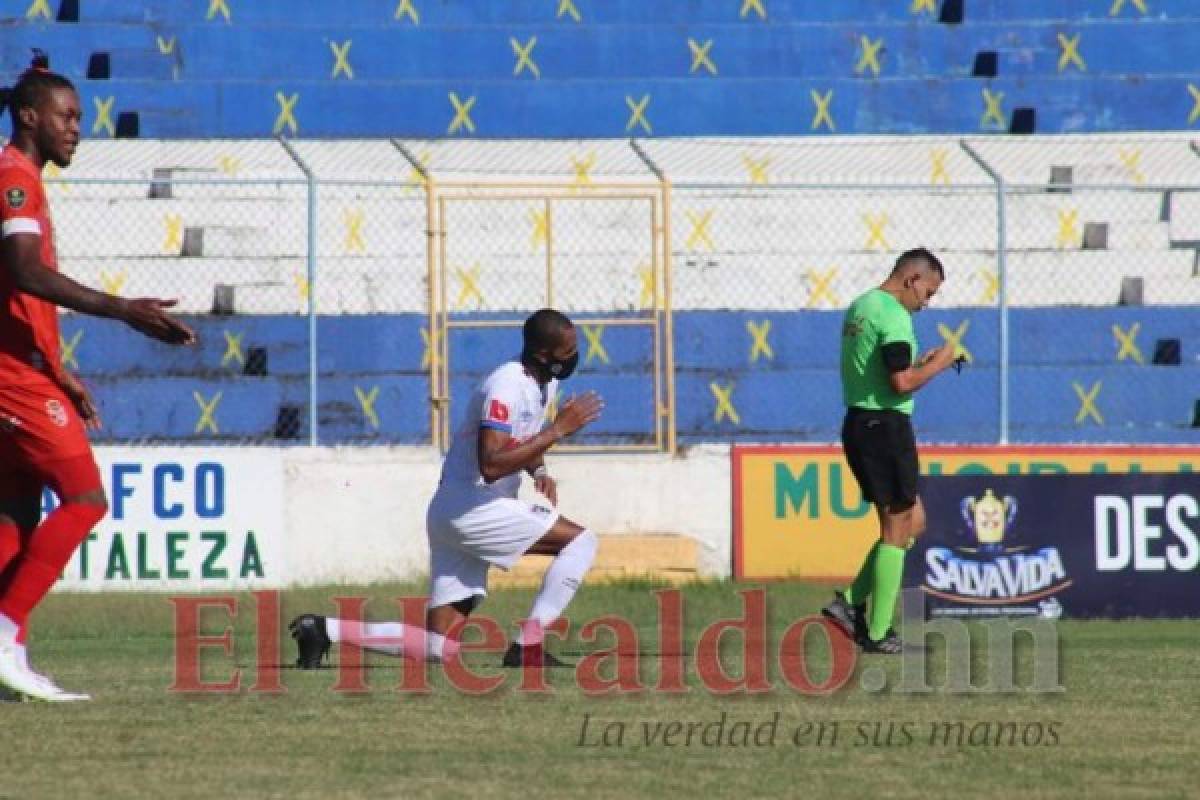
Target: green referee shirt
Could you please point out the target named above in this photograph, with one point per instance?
(873, 320)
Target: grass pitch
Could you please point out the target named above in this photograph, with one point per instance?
(1123, 726)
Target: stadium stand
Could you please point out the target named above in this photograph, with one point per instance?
(566, 69)
(772, 231)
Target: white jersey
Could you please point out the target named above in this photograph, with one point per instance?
(508, 400)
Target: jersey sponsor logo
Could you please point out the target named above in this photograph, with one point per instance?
(15, 197)
(497, 411)
(56, 412)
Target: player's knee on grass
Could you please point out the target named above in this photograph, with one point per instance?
(465, 607)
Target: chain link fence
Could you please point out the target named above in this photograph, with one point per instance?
(350, 292)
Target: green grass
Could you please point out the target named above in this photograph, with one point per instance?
(1123, 723)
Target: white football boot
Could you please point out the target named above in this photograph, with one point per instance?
(23, 681)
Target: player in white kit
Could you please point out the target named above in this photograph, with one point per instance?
(475, 519)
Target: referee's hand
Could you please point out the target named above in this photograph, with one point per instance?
(940, 358)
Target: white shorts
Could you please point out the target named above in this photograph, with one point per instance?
(472, 530)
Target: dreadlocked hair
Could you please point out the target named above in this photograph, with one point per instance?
(32, 86)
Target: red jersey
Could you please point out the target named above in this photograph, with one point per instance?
(29, 337)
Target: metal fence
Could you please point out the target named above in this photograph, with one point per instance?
(351, 292)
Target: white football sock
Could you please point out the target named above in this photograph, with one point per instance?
(391, 638)
(562, 580)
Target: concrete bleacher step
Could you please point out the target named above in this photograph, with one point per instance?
(598, 108)
(661, 557)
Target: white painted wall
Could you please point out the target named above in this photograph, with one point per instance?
(358, 514)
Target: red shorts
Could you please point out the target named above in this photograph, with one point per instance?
(43, 442)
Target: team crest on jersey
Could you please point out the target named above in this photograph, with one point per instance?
(15, 197)
(56, 412)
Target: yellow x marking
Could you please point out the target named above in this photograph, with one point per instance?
(753, 5)
(427, 355)
(53, 173)
(699, 234)
(405, 8)
(637, 114)
(1117, 4)
(1127, 341)
(367, 401)
(353, 219)
(1068, 232)
(287, 113)
(1070, 52)
(991, 286)
(875, 235)
(1087, 402)
(541, 230)
(649, 285)
(700, 56)
(470, 286)
(39, 8)
(233, 348)
(462, 113)
(165, 46)
(821, 287)
(870, 55)
(208, 412)
(104, 120)
(757, 169)
(229, 165)
(568, 7)
(414, 175)
(69, 348)
(341, 59)
(993, 112)
(218, 7)
(822, 115)
(174, 240)
(1132, 161)
(583, 169)
(113, 283)
(725, 408)
(954, 338)
(938, 158)
(1195, 92)
(760, 345)
(524, 54)
(303, 287)
(595, 344)
(923, 5)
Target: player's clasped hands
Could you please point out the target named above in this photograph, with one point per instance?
(147, 315)
(577, 412)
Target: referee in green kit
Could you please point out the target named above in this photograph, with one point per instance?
(880, 372)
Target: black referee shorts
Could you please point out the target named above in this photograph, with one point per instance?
(882, 451)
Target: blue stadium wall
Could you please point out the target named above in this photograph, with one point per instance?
(785, 387)
(602, 68)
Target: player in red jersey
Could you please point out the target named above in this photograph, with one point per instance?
(45, 410)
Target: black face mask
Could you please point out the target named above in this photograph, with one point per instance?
(560, 370)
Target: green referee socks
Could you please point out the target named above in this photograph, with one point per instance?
(860, 590)
(889, 572)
